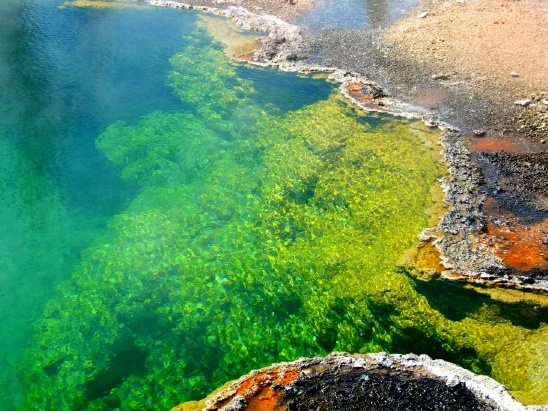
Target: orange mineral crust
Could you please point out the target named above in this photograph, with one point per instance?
(521, 247)
(261, 391)
(496, 144)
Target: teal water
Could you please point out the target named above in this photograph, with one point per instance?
(173, 220)
(65, 75)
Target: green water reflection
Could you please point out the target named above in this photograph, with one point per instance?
(257, 236)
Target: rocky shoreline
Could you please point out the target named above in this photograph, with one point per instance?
(342, 381)
(468, 238)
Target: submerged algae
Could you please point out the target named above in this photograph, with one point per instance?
(257, 237)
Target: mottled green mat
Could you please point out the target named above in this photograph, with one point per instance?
(258, 236)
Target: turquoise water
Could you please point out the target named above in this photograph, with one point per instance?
(65, 75)
(173, 220)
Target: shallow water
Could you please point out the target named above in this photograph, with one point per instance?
(203, 219)
(355, 14)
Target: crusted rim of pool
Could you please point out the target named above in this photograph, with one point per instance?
(274, 387)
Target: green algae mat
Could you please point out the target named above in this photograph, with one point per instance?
(260, 235)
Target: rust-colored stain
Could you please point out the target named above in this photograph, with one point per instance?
(259, 392)
(355, 87)
(367, 100)
(520, 247)
(491, 144)
(356, 91)
(431, 97)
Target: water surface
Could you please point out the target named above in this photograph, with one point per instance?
(355, 14)
(200, 219)
(65, 75)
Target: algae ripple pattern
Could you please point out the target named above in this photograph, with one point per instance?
(257, 237)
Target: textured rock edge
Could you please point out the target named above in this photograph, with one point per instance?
(487, 391)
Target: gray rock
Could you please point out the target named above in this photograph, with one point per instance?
(524, 103)
(440, 76)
